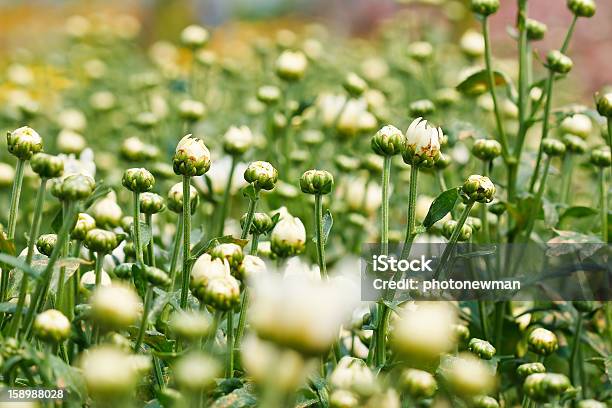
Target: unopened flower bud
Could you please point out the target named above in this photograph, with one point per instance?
(7, 175)
(574, 144)
(138, 180)
(601, 157)
(133, 149)
(84, 224)
(343, 399)
(542, 341)
(419, 384)
(558, 62)
(484, 401)
(388, 141)
(317, 182)
(73, 188)
(45, 243)
(101, 241)
(24, 142)
(421, 108)
(146, 120)
(190, 325)
(525, 370)
(191, 157)
(535, 29)
(420, 51)
(123, 270)
(481, 348)
(474, 223)
(354, 85)
(372, 163)
(107, 212)
(194, 36)
(590, 403)
(175, 198)
(47, 166)
(108, 372)
(251, 267)
(204, 270)
(222, 293)
(449, 226)
(484, 7)
(129, 249)
(191, 110)
(444, 160)
(288, 237)
(70, 142)
(157, 277)
(291, 66)
(52, 326)
(543, 387)
(486, 149)
(151, 203)
(578, 124)
(115, 306)
(237, 140)
(261, 174)
(472, 44)
(604, 104)
(469, 376)
(477, 188)
(422, 144)
(232, 253)
(582, 8)
(195, 372)
(261, 224)
(553, 147)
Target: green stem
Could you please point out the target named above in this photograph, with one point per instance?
(249, 218)
(566, 177)
(609, 132)
(137, 241)
(603, 187)
(186, 240)
(500, 308)
(34, 228)
(482, 312)
(15, 196)
(453, 239)
(484, 213)
(98, 268)
(225, 204)
(523, 95)
(384, 215)
(575, 346)
(320, 237)
(545, 123)
(150, 246)
(412, 195)
(538, 200)
(62, 273)
(245, 303)
(145, 315)
(176, 248)
(230, 344)
(568, 35)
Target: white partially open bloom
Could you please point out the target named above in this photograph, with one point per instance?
(288, 236)
(422, 143)
(206, 269)
(83, 164)
(578, 124)
(353, 374)
(70, 142)
(253, 267)
(194, 36)
(72, 119)
(291, 65)
(472, 43)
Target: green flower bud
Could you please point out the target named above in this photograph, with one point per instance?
(190, 325)
(446, 97)
(553, 147)
(558, 62)
(222, 293)
(261, 224)
(542, 341)
(146, 120)
(343, 399)
(577, 124)
(237, 140)
(420, 51)
(574, 144)
(477, 188)
(129, 249)
(584, 306)
(482, 348)
(194, 36)
(115, 306)
(449, 226)
(175, 198)
(123, 270)
(24, 142)
(291, 66)
(317, 182)
(388, 141)
(590, 403)
(419, 384)
(232, 253)
(101, 241)
(542, 387)
(138, 180)
(444, 160)
(84, 224)
(461, 332)
(151, 203)
(268, 94)
(486, 149)
(73, 188)
(484, 401)
(604, 104)
(525, 370)
(191, 110)
(469, 376)
(45, 243)
(474, 223)
(47, 166)
(484, 7)
(422, 144)
(582, 8)
(497, 208)
(191, 157)
(133, 149)
(157, 277)
(535, 29)
(421, 108)
(601, 157)
(52, 326)
(261, 174)
(354, 85)
(195, 372)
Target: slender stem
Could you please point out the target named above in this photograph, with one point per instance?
(566, 177)
(15, 196)
(453, 239)
(603, 187)
(137, 242)
(609, 132)
(186, 240)
(523, 95)
(484, 213)
(441, 180)
(176, 248)
(59, 294)
(538, 200)
(98, 268)
(150, 246)
(34, 228)
(575, 346)
(225, 204)
(245, 302)
(568, 35)
(145, 316)
(545, 123)
(500, 308)
(410, 228)
(482, 312)
(249, 218)
(384, 215)
(320, 237)
(230, 344)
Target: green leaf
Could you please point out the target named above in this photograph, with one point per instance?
(442, 205)
(18, 263)
(8, 307)
(250, 192)
(100, 191)
(477, 83)
(66, 376)
(328, 222)
(240, 398)
(203, 246)
(578, 212)
(551, 217)
(145, 233)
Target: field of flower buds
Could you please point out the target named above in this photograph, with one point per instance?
(183, 223)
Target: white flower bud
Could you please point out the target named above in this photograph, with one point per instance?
(468, 376)
(353, 374)
(288, 236)
(237, 140)
(7, 174)
(472, 44)
(196, 371)
(102, 101)
(194, 36)
(70, 142)
(578, 124)
(107, 212)
(108, 372)
(88, 281)
(115, 306)
(192, 157)
(72, 119)
(422, 144)
(192, 110)
(52, 326)
(291, 65)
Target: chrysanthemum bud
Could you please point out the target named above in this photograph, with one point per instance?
(102, 241)
(604, 104)
(146, 120)
(194, 36)
(108, 372)
(486, 149)
(484, 401)
(449, 226)
(133, 149)
(388, 141)
(578, 124)
(204, 270)
(542, 387)
(590, 403)
(601, 157)
(268, 94)
(582, 8)
(47, 166)
(84, 224)
(232, 253)
(542, 341)
(191, 110)
(24, 142)
(157, 277)
(574, 144)
(444, 160)
(469, 376)
(191, 157)
(477, 188)
(261, 224)
(354, 375)
(151, 203)
(123, 270)
(52, 326)
(317, 182)
(535, 29)
(190, 325)
(558, 62)
(419, 384)
(420, 51)
(195, 372)
(237, 140)
(138, 180)
(129, 249)
(484, 7)
(474, 223)
(553, 147)
(422, 107)
(73, 188)
(343, 399)
(251, 267)
(291, 66)
(472, 44)
(261, 174)
(45, 243)
(525, 370)
(115, 306)
(422, 144)
(107, 212)
(222, 293)
(482, 348)
(70, 142)
(372, 163)
(461, 332)
(354, 85)
(88, 281)
(175, 198)
(288, 237)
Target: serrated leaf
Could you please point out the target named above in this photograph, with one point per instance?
(477, 83)
(240, 398)
(551, 216)
(442, 205)
(328, 222)
(145, 233)
(20, 264)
